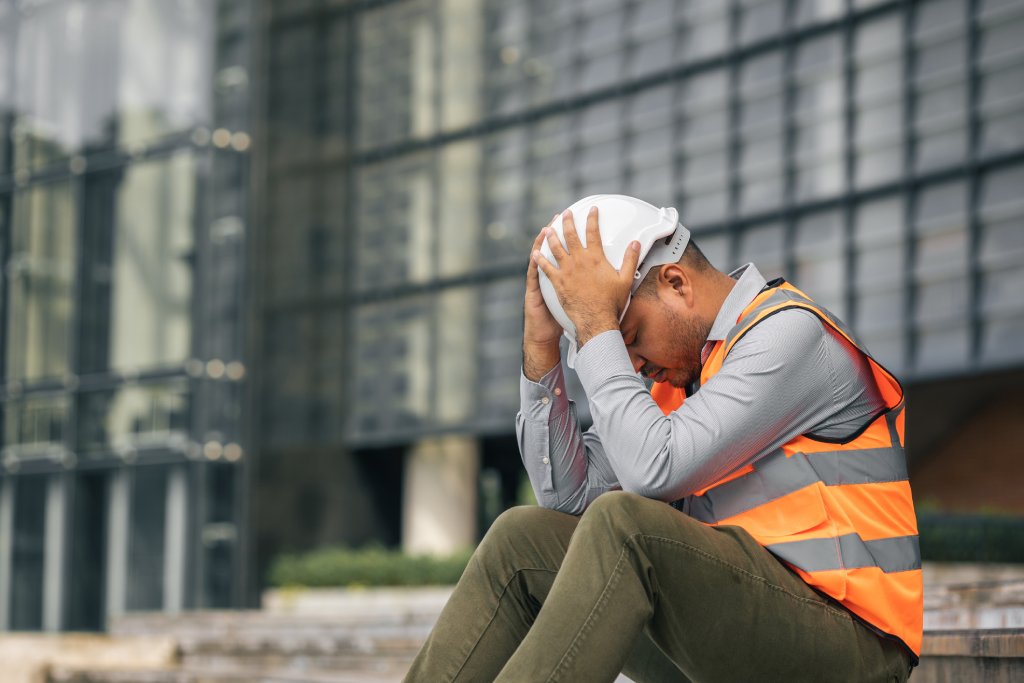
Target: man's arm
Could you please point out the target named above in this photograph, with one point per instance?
(775, 384)
(567, 467)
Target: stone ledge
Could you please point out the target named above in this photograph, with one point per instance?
(1002, 643)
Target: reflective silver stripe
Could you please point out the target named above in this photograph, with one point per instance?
(782, 296)
(775, 476)
(899, 554)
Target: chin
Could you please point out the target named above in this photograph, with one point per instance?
(677, 382)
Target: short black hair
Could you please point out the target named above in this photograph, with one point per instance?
(692, 258)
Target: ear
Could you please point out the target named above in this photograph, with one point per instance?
(676, 282)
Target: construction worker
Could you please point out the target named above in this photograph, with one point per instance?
(748, 518)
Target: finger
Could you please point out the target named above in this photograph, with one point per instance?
(572, 238)
(532, 280)
(557, 250)
(594, 232)
(545, 266)
(630, 260)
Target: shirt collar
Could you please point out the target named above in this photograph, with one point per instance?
(749, 283)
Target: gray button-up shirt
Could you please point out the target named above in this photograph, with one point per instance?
(787, 376)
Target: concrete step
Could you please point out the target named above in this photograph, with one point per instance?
(992, 655)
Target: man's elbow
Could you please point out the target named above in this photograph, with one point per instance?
(574, 505)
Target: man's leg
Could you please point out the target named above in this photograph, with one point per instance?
(498, 598)
(711, 598)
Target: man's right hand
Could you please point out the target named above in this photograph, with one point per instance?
(541, 332)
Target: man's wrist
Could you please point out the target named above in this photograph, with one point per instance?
(538, 359)
(588, 329)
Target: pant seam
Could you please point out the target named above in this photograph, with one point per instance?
(570, 652)
(494, 614)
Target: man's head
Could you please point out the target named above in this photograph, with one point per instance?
(623, 220)
(675, 291)
(670, 316)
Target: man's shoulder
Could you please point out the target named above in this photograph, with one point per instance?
(787, 324)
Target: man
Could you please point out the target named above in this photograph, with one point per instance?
(789, 551)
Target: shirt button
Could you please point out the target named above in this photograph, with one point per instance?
(546, 461)
(558, 392)
(545, 400)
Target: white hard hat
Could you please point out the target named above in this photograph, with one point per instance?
(622, 219)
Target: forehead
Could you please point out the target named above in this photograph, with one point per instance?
(639, 312)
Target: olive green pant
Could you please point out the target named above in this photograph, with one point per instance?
(637, 587)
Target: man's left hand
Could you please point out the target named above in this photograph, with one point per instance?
(592, 293)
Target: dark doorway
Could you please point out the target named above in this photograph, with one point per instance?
(28, 553)
(88, 552)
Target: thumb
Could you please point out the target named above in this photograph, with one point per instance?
(630, 260)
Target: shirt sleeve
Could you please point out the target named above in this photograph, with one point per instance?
(567, 467)
(774, 385)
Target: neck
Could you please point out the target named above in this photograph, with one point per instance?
(720, 284)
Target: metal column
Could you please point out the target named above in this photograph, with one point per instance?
(117, 543)
(6, 539)
(55, 552)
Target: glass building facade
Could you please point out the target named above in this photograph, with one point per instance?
(263, 259)
(123, 205)
(870, 151)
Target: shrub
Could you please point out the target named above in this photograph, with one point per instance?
(371, 566)
(971, 538)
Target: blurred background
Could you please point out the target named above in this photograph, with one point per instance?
(262, 260)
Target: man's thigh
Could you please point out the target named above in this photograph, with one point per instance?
(725, 609)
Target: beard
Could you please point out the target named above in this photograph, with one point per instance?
(689, 334)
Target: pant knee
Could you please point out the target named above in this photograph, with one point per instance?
(620, 505)
(614, 516)
(511, 530)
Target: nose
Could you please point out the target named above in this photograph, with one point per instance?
(636, 359)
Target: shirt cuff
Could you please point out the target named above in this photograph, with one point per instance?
(602, 357)
(540, 400)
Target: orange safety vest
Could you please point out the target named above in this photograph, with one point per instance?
(838, 512)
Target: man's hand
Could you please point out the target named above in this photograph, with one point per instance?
(541, 332)
(592, 293)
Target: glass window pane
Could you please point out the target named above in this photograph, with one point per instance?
(815, 11)
(879, 276)
(1001, 259)
(500, 354)
(715, 246)
(396, 240)
(820, 259)
(35, 425)
(763, 245)
(878, 107)
(41, 274)
(393, 377)
(81, 81)
(7, 61)
(139, 302)
(706, 31)
(135, 418)
(761, 20)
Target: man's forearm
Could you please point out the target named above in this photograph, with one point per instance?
(538, 360)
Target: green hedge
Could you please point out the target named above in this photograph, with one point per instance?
(944, 538)
(971, 538)
(371, 566)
